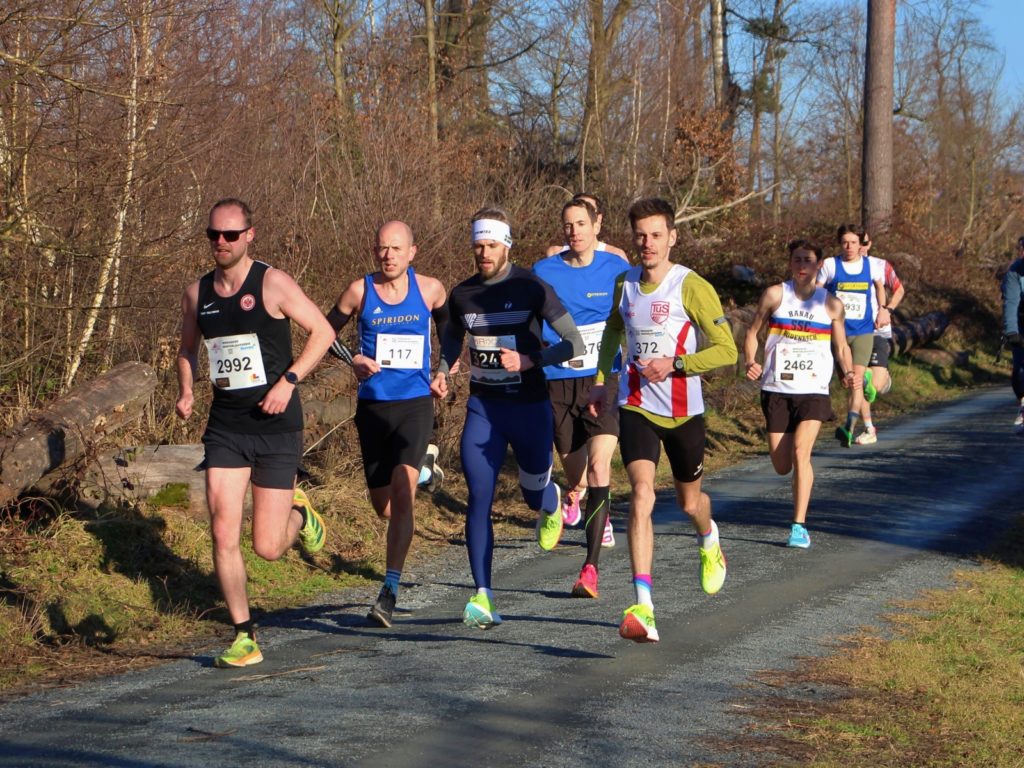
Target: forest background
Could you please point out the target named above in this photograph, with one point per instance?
(121, 122)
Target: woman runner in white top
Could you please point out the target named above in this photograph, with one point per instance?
(806, 332)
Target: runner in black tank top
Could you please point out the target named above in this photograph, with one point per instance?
(243, 310)
(238, 410)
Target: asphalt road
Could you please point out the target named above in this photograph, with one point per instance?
(555, 685)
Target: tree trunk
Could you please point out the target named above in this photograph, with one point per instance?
(603, 37)
(431, 31)
(727, 94)
(67, 429)
(130, 474)
(719, 55)
(140, 35)
(877, 168)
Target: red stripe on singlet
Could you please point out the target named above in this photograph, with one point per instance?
(679, 389)
(635, 398)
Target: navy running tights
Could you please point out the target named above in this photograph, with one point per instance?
(492, 425)
(1017, 375)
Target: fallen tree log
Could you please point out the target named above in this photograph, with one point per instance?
(942, 358)
(64, 431)
(916, 333)
(130, 475)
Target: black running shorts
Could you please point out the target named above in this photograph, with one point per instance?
(573, 424)
(641, 439)
(783, 412)
(880, 352)
(274, 458)
(392, 433)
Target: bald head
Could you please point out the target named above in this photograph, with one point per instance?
(393, 229)
(394, 248)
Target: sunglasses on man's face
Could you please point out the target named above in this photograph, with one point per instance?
(230, 235)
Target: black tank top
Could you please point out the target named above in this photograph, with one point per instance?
(237, 410)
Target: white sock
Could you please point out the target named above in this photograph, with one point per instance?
(708, 540)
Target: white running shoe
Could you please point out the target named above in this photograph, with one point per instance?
(608, 537)
(867, 437)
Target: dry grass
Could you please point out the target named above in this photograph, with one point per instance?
(947, 691)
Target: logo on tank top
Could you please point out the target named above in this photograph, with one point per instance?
(247, 302)
(659, 311)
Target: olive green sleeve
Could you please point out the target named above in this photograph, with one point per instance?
(702, 304)
(611, 340)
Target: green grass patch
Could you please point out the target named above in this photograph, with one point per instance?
(946, 691)
(171, 495)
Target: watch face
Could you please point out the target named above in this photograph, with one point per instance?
(291, 377)
(677, 364)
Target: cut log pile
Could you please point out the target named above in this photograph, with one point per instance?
(71, 426)
(75, 426)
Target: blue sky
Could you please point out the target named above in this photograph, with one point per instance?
(1005, 22)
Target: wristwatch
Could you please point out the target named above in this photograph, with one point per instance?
(677, 364)
(291, 378)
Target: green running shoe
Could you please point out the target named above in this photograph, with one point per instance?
(844, 436)
(870, 393)
(712, 568)
(549, 525)
(312, 535)
(480, 612)
(638, 624)
(243, 653)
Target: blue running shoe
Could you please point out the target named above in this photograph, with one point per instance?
(798, 537)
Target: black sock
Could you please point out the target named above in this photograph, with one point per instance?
(248, 627)
(598, 503)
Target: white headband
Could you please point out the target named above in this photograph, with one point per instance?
(492, 229)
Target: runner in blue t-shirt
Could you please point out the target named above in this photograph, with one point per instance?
(584, 279)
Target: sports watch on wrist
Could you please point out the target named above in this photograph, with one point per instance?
(291, 378)
(677, 364)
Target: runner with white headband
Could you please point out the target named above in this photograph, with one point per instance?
(502, 309)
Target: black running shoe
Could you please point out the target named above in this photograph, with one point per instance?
(382, 609)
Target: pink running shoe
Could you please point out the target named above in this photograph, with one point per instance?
(586, 584)
(571, 513)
